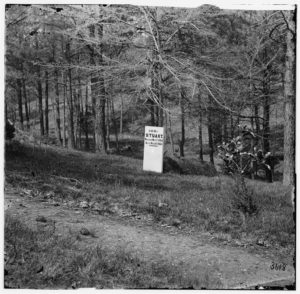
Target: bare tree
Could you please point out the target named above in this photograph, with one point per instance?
(290, 100)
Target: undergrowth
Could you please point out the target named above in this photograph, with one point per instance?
(39, 259)
(216, 204)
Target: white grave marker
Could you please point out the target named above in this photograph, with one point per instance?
(153, 149)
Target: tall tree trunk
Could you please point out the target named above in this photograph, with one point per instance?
(290, 101)
(98, 92)
(20, 104)
(80, 121)
(161, 100)
(257, 123)
(93, 94)
(152, 112)
(70, 129)
(114, 123)
(182, 117)
(266, 125)
(71, 139)
(266, 108)
(75, 116)
(169, 124)
(86, 125)
(231, 126)
(40, 92)
(100, 118)
(108, 123)
(210, 137)
(218, 122)
(200, 131)
(154, 101)
(46, 103)
(57, 109)
(121, 116)
(225, 130)
(25, 100)
(40, 98)
(64, 110)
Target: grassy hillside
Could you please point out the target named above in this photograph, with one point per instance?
(117, 184)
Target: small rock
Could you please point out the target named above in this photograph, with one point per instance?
(75, 285)
(84, 231)
(71, 203)
(260, 242)
(40, 269)
(176, 222)
(161, 204)
(41, 219)
(238, 243)
(84, 204)
(97, 207)
(50, 194)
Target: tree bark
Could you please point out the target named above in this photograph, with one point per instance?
(121, 117)
(169, 124)
(266, 108)
(20, 104)
(290, 101)
(80, 118)
(86, 125)
(108, 123)
(46, 103)
(98, 93)
(210, 137)
(231, 126)
(25, 99)
(57, 109)
(225, 131)
(40, 98)
(182, 117)
(70, 129)
(64, 110)
(266, 125)
(257, 124)
(200, 132)
(114, 123)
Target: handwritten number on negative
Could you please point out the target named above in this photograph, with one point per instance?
(278, 266)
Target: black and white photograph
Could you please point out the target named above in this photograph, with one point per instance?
(149, 146)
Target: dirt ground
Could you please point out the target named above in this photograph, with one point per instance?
(235, 267)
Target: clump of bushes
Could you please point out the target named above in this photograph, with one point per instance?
(243, 198)
(189, 166)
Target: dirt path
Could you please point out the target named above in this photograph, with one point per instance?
(233, 267)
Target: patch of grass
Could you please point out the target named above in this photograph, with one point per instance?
(38, 260)
(214, 204)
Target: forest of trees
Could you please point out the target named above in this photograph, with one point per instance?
(87, 71)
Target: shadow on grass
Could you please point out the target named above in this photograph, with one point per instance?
(81, 166)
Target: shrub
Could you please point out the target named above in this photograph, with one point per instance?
(189, 167)
(243, 198)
